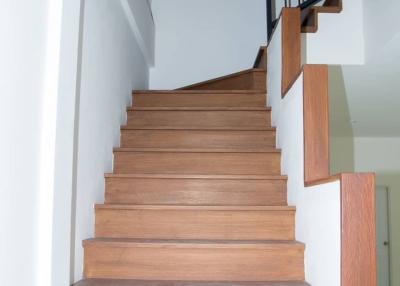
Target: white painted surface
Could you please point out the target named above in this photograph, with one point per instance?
(200, 40)
(340, 37)
(139, 15)
(318, 208)
(24, 88)
(68, 95)
(112, 65)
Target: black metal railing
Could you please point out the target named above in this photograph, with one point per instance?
(272, 18)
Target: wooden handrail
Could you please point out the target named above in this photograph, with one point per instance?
(358, 257)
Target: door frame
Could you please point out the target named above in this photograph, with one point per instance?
(389, 220)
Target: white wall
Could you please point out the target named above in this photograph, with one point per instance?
(200, 40)
(340, 37)
(25, 71)
(382, 155)
(317, 208)
(112, 65)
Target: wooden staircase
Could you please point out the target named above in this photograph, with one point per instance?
(197, 196)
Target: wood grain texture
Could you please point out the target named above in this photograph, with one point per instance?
(194, 260)
(291, 47)
(197, 139)
(309, 16)
(128, 282)
(261, 59)
(196, 190)
(252, 79)
(358, 254)
(195, 98)
(197, 163)
(199, 119)
(316, 122)
(195, 222)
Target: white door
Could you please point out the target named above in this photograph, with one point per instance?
(382, 236)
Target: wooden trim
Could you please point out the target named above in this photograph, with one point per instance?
(309, 17)
(261, 59)
(199, 84)
(316, 122)
(358, 256)
(291, 46)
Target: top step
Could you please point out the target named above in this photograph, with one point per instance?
(251, 79)
(199, 98)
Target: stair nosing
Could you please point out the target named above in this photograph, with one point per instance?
(199, 176)
(205, 91)
(136, 282)
(195, 207)
(189, 108)
(194, 243)
(197, 150)
(199, 128)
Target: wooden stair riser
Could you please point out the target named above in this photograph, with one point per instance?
(195, 223)
(181, 99)
(197, 163)
(192, 191)
(196, 139)
(253, 262)
(203, 119)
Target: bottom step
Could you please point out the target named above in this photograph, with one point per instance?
(194, 260)
(107, 282)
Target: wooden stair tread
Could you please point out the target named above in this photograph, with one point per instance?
(210, 177)
(200, 150)
(225, 128)
(181, 207)
(195, 243)
(193, 91)
(129, 282)
(198, 108)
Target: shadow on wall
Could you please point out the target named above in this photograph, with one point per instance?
(340, 124)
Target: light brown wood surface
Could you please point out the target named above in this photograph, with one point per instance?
(194, 260)
(291, 47)
(197, 163)
(199, 119)
(128, 282)
(261, 59)
(204, 98)
(197, 139)
(253, 79)
(195, 190)
(358, 254)
(195, 222)
(316, 122)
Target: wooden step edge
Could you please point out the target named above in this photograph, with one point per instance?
(205, 91)
(195, 208)
(130, 282)
(199, 150)
(133, 108)
(192, 243)
(201, 177)
(200, 128)
(252, 70)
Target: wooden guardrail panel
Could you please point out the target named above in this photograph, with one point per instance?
(291, 47)
(316, 122)
(358, 254)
